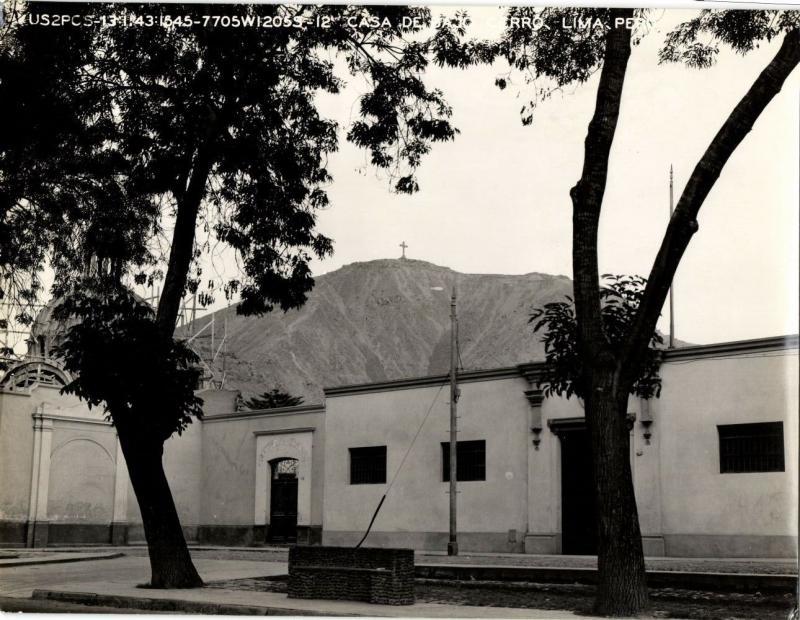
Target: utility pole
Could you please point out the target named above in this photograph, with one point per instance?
(452, 545)
(671, 300)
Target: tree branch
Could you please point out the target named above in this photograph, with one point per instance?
(587, 195)
(684, 221)
(181, 252)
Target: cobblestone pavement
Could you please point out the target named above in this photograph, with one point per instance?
(666, 602)
(759, 566)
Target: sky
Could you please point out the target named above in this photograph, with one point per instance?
(496, 200)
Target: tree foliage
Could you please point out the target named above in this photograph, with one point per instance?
(544, 57)
(111, 117)
(565, 368)
(601, 348)
(127, 140)
(124, 365)
(273, 399)
(145, 136)
(696, 42)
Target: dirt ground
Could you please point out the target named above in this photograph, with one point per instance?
(665, 602)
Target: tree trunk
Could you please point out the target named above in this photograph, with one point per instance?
(622, 587)
(170, 563)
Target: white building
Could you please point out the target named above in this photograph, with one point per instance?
(714, 462)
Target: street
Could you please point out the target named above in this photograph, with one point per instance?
(22, 581)
(14, 604)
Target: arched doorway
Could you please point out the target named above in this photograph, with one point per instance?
(283, 500)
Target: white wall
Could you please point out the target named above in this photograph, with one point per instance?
(16, 449)
(62, 476)
(686, 507)
(231, 483)
(697, 501)
(495, 411)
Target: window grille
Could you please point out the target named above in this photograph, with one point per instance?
(751, 447)
(284, 468)
(470, 461)
(368, 465)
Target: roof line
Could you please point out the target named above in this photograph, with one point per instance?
(466, 376)
(755, 345)
(530, 370)
(259, 413)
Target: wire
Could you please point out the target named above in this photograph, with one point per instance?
(419, 430)
(369, 527)
(402, 462)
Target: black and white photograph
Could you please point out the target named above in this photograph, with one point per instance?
(399, 310)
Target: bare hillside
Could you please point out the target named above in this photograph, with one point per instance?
(384, 319)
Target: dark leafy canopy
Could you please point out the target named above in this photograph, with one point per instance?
(273, 399)
(121, 130)
(549, 49)
(121, 114)
(126, 366)
(538, 47)
(696, 42)
(549, 57)
(49, 194)
(564, 366)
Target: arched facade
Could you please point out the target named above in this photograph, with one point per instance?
(271, 449)
(717, 403)
(86, 499)
(63, 477)
(33, 373)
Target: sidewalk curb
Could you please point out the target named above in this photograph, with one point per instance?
(37, 561)
(175, 605)
(722, 582)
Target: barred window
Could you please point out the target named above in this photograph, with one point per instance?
(368, 465)
(470, 461)
(751, 447)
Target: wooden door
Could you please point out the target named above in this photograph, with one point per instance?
(283, 501)
(578, 502)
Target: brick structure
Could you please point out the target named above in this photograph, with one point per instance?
(380, 576)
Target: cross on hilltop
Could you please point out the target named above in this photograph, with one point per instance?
(404, 246)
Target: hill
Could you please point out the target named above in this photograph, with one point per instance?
(384, 319)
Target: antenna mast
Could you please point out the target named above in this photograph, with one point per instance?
(671, 298)
(452, 545)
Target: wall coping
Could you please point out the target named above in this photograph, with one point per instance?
(736, 347)
(468, 376)
(532, 370)
(264, 413)
(47, 415)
